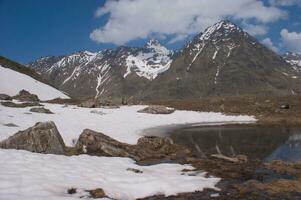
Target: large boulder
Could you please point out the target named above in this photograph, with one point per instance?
(26, 96)
(43, 137)
(5, 97)
(95, 143)
(147, 148)
(157, 110)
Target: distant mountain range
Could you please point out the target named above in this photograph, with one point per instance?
(222, 60)
(121, 72)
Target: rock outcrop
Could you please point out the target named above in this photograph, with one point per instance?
(147, 148)
(43, 137)
(157, 110)
(26, 96)
(19, 105)
(5, 97)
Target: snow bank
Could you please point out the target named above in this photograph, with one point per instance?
(30, 176)
(123, 124)
(11, 82)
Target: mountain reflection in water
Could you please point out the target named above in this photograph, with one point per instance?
(258, 142)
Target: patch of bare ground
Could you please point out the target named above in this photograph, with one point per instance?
(273, 110)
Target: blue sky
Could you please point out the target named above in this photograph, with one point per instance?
(34, 28)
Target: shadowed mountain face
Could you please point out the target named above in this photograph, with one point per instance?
(223, 60)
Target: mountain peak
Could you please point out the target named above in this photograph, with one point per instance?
(153, 42)
(155, 46)
(222, 27)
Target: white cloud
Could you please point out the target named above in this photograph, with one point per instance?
(134, 19)
(256, 29)
(269, 43)
(291, 40)
(285, 2)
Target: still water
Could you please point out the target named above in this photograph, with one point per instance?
(258, 142)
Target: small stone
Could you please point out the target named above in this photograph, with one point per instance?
(41, 110)
(157, 110)
(242, 158)
(71, 190)
(10, 125)
(90, 103)
(137, 171)
(97, 112)
(285, 106)
(97, 193)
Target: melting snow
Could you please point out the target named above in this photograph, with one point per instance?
(25, 175)
(29, 176)
(123, 124)
(200, 49)
(214, 55)
(217, 74)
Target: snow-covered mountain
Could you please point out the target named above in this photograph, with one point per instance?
(15, 77)
(294, 60)
(119, 72)
(224, 60)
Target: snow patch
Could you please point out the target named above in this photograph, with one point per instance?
(124, 124)
(217, 74)
(11, 82)
(29, 176)
(147, 65)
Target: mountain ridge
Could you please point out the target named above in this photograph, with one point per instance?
(222, 60)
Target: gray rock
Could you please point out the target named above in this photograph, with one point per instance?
(95, 143)
(98, 112)
(41, 110)
(91, 103)
(19, 105)
(26, 96)
(43, 137)
(285, 106)
(10, 125)
(157, 110)
(147, 148)
(5, 97)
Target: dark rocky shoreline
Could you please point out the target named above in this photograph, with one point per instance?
(241, 178)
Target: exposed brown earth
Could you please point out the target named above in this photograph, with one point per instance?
(267, 109)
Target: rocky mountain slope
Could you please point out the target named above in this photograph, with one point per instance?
(15, 77)
(224, 60)
(109, 74)
(294, 60)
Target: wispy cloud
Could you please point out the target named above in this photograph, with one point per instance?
(291, 40)
(269, 43)
(256, 29)
(138, 19)
(285, 2)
